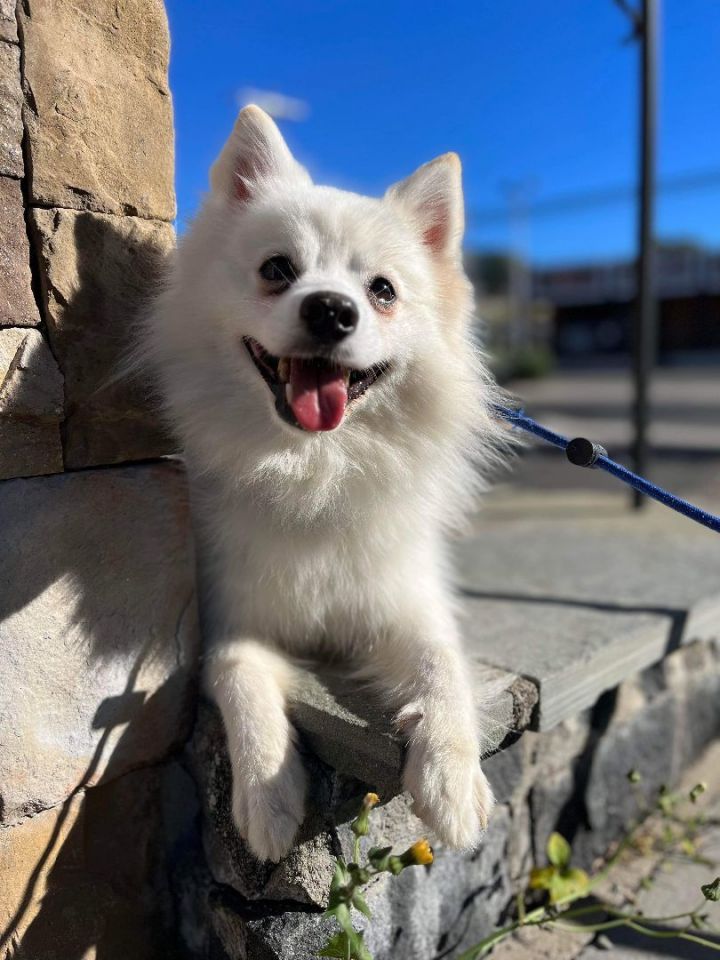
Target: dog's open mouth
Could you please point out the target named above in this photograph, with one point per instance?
(311, 393)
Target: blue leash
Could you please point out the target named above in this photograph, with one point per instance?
(585, 453)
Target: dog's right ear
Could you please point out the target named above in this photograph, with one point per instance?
(255, 155)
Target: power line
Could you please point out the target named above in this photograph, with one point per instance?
(569, 202)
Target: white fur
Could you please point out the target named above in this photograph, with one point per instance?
(330, 543)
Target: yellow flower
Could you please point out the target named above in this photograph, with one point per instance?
(360, 825)
(420, 853)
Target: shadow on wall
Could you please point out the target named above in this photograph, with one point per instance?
(98, 273)
(98, 634)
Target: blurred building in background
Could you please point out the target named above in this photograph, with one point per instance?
(592, 306)
(581, 314)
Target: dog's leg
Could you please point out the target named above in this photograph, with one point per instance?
(428, 680)
(249, 683)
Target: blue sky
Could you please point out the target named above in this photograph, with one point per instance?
(540, 93)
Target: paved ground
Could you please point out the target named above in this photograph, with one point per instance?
(685, 432)
(672, 884)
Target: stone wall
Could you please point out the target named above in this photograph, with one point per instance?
(86, 204)
(98, 623)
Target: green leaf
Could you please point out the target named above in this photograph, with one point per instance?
(697, 791)
(338, 885)
(711, 891)
(558, 851)
(358, 950)
(337, 946)
(568, 883)
(378, 857)
(541, 878)
(359, 902)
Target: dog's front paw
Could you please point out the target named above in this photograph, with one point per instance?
(268, 811)
(451, 793)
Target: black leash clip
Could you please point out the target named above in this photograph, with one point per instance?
(583, 452)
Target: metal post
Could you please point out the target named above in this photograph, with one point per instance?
(645, 326)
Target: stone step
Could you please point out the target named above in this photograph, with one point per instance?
(348, 729)
(579, 603)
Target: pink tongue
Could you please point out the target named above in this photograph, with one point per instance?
(318, 395)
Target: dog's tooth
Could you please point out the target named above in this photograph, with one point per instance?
(346, 375)
(284, 369)
(288, 392)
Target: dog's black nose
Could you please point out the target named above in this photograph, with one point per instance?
(329, 316)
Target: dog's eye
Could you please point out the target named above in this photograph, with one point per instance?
(382, 291)
(278, 271)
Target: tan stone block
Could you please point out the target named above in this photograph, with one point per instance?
(96, 273)
(17, 303)
(87, 879)
(11, 129)
(30, 382)
(40, 864)
(31, 405)
(8, 25)
(98, 629)
(99, 114)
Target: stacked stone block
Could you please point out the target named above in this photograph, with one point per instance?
(86, 197)
(98, 621)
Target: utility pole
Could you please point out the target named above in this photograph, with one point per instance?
(645, 23)
(520, 282)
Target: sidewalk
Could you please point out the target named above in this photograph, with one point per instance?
(685, 431)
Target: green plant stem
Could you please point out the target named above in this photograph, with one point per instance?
(601, 907)
(670, 934)
(484, 945)
(541, 916)
(634, 925)
(356, 850)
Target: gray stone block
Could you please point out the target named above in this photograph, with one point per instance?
(425, 912)
(349, 730)
(98, 629)
(579, 605)
(581, 786)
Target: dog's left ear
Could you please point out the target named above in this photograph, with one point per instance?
(433, 197)
(255, 155)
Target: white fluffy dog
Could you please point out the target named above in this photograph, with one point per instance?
(314, 354)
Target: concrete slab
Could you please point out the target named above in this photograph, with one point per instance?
(347, 728)
(579, 603)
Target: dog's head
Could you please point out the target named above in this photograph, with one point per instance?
(330, 296)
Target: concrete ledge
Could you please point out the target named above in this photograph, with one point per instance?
(577, 604)
(348, 730)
